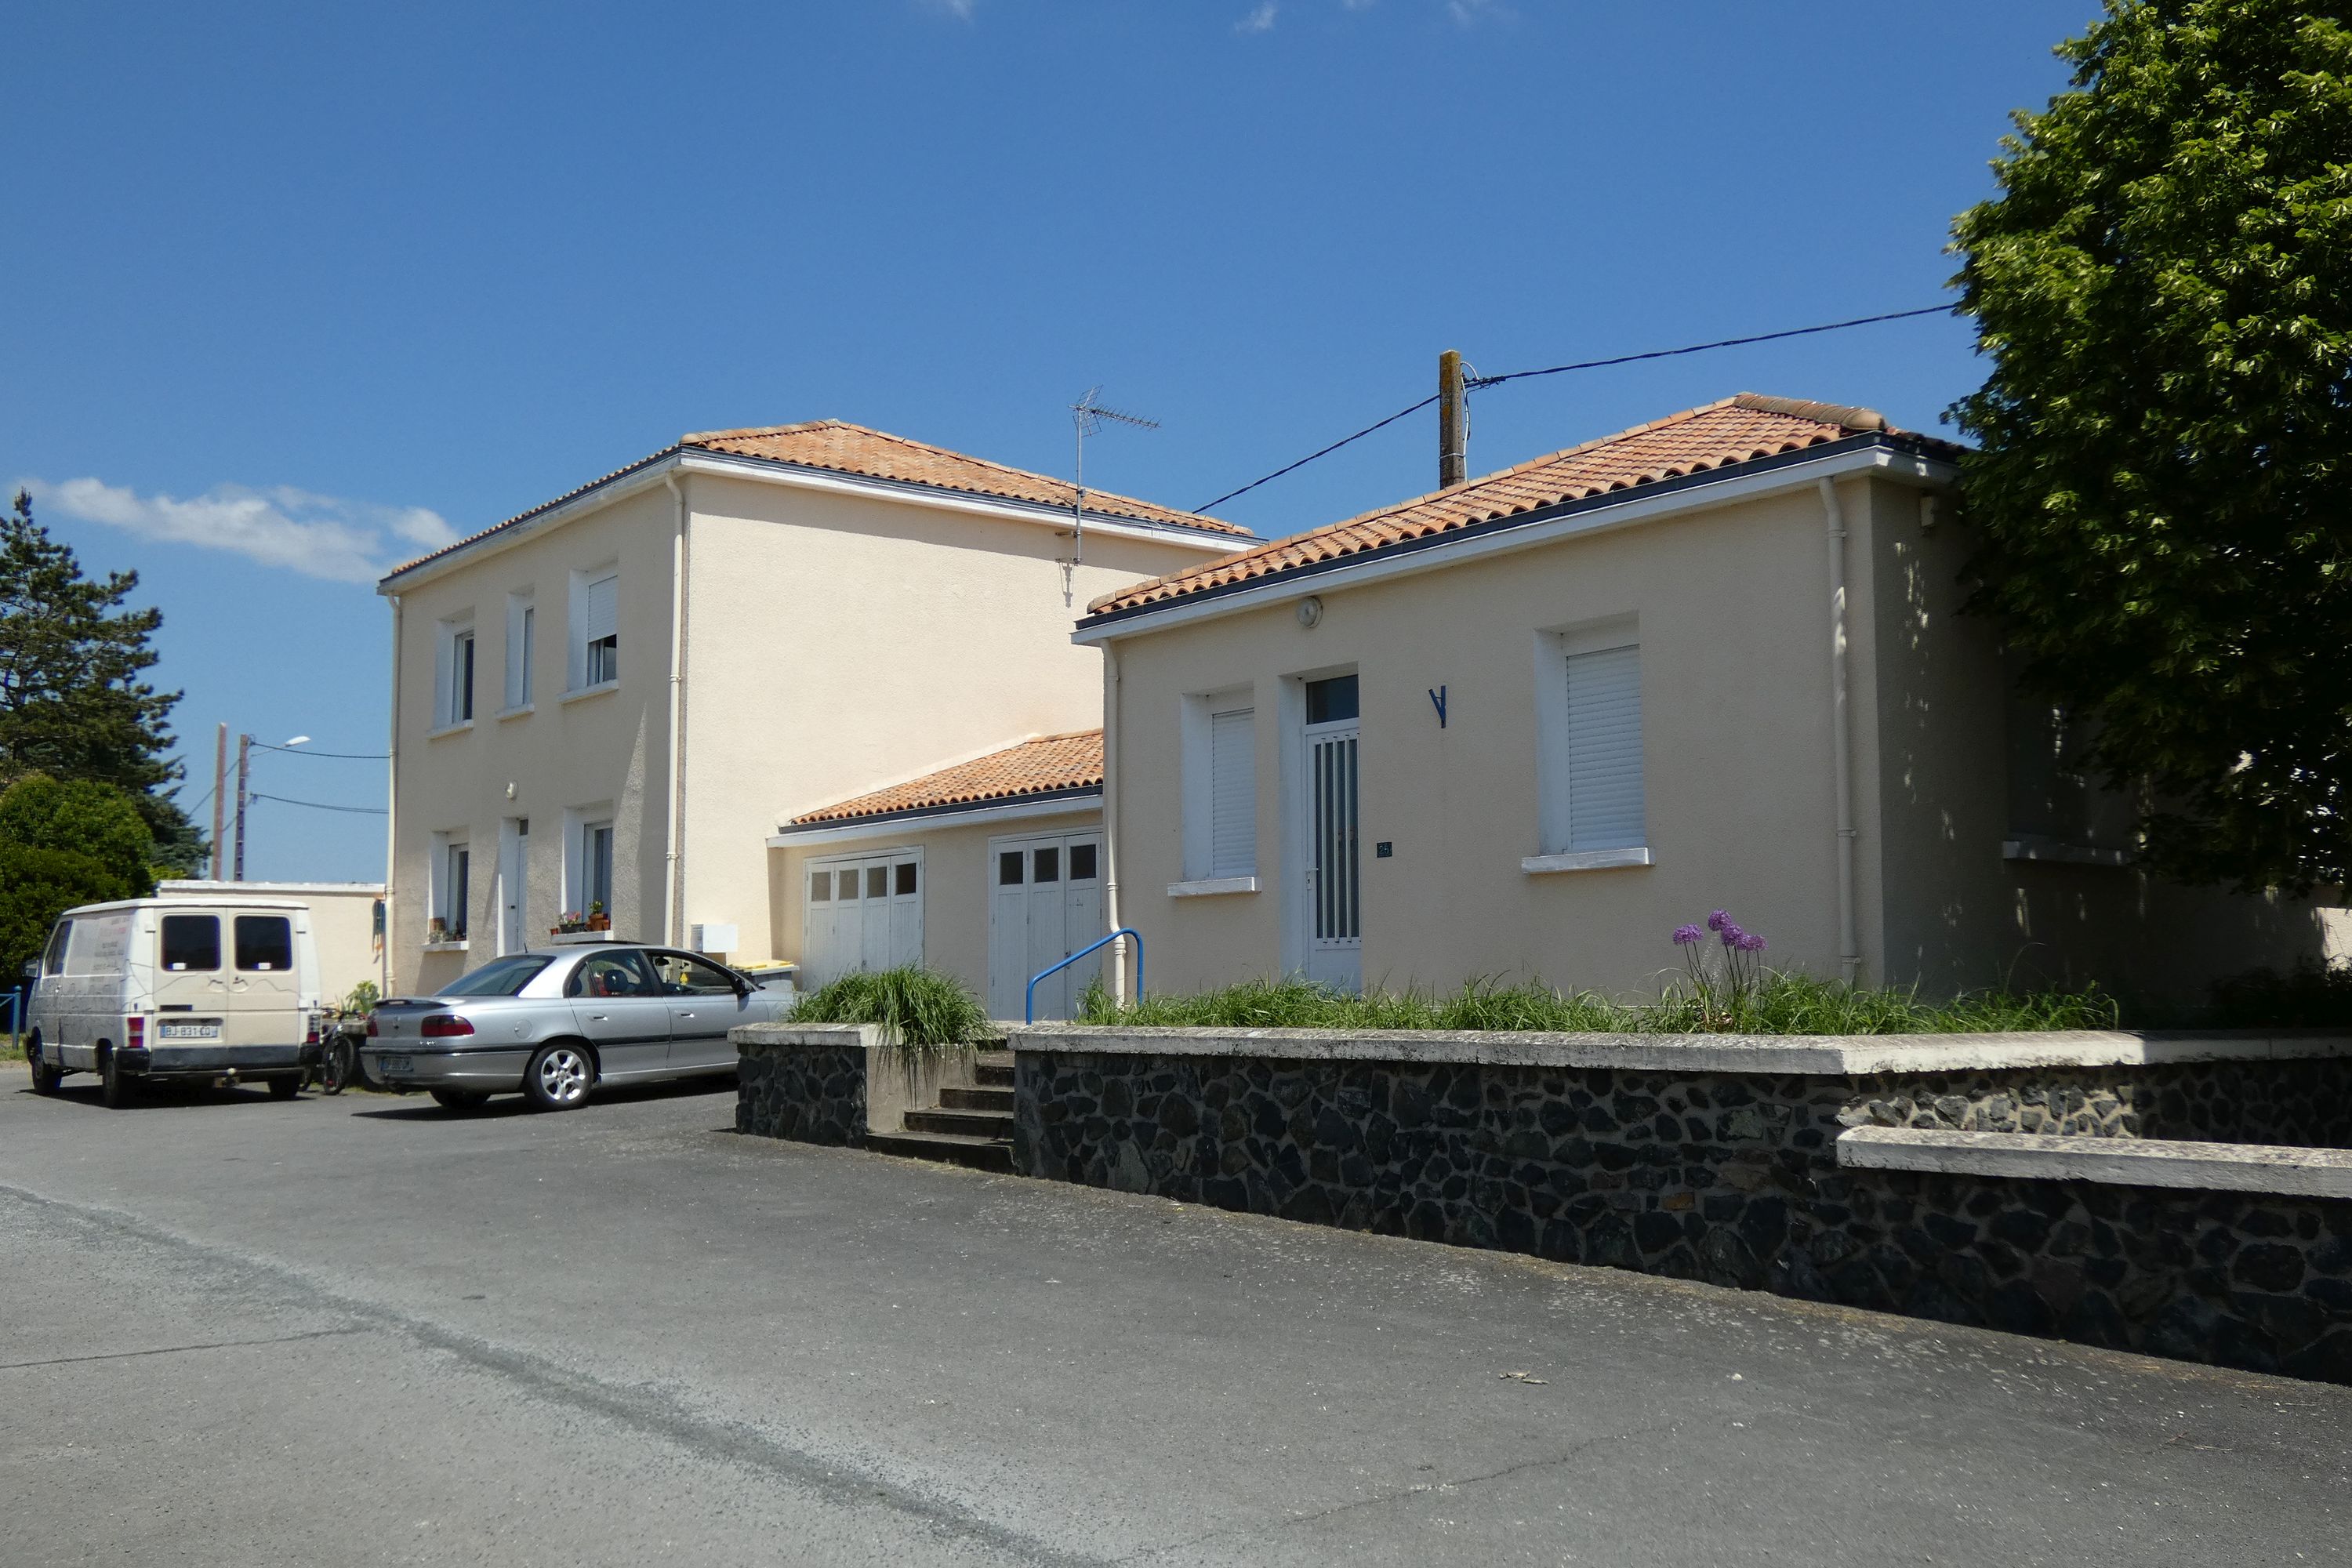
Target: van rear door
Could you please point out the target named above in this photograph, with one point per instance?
(191, 979)
(264, 1006)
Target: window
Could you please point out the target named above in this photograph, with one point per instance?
(821, 886)
(904, 872)
(683, 977)
(265, 943)
(1604, 750)
(1008, 868)
(500, 977)
(1232, 792)
(192, 941)
(596, 867)
(611, 975)
(1328, 702)
(453, 893)
(521, 629)
(1045, 865)
(1082, 862)
(452, 670)
(596, 617)
(877, 882)
(55, 961)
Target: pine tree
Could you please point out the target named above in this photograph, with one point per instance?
(72, 704)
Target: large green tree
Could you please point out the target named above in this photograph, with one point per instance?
(72, 704)
(64, 843)
(2163, 472)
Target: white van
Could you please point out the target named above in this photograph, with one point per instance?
(176, 988)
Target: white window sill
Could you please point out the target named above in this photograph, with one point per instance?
(456, 946)
(459, 728)
(598, 689)
(504, 714)
(2051, 849)
(1586, 860)
(1212, 887)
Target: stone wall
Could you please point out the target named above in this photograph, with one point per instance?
(1732, 1177)
(811, 1093)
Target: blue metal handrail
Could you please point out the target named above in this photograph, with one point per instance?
(1029, 997)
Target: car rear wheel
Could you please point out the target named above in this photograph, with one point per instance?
(559, 1077)
(114, 1084)
(45, 1075)
(460, 1099)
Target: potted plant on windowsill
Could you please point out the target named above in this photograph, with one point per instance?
(569, 922)
(437, 930)
(597, 918)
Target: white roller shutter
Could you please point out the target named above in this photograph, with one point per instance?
(1232, 793)
(1604, 750)
(603, 610)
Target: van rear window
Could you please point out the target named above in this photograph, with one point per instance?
(192, 941)
(265, 942)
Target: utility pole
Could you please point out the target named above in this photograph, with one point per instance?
(244, 763)
(220, 793)
(1452, 423)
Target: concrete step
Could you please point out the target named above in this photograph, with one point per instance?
(979, 1153)
(993, 1068)
(966, 1124)
(999, 1099)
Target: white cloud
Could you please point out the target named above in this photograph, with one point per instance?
(1470, 13)
(959, 9)
(318, 536)
(1260, 20)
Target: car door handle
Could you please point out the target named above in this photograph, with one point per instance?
(596, 1017)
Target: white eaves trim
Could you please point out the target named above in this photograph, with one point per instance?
(794, 476)
(1212, 887)
(1089, 803)
(1586, 860)
(1636, 507)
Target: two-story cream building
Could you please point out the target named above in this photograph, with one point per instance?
(613, 701)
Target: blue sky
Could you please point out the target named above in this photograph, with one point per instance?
(289, 291)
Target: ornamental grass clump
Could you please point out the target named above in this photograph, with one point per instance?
(922, 1012)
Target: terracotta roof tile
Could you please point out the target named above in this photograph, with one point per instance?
(1736, 430)
(854, 450)
(844, 449)
(1045, 765)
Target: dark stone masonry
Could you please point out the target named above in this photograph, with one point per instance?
(1734, 1179)
(809, 1093)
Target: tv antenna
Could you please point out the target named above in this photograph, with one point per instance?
(1087, 417)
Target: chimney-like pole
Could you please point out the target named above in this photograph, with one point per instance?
(1452, 423)
(244, 769)
(220, 797)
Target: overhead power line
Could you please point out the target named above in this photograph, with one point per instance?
(321, 804)
(1477, 382)
(306, 752)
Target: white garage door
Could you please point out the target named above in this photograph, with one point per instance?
(1044, 903)
(861, 913)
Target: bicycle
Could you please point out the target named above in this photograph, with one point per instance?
(337, 1065)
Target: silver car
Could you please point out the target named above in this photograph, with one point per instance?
(556, 1024)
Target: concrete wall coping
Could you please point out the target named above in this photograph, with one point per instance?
(1829, 1055)
(866, 1034)
(2115, 1161)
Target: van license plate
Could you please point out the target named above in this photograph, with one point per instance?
(188, 1032)
(389, 1065)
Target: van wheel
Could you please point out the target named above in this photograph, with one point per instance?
(286, 1087)
(114, 1084)
(460, 1099)
(45, 1075)
(559, 1077)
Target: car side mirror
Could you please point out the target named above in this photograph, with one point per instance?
(32, 968)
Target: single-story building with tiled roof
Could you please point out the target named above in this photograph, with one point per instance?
(1527, 725)
(990, 870)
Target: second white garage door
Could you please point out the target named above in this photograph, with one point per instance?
(1044, 903)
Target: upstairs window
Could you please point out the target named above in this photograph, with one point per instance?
(596, 609)
(453, 685)
(521, 629)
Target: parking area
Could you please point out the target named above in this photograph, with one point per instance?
(362, 1329)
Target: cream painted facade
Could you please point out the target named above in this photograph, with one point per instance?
(786, 637)
(1724, 590)
(958, 853)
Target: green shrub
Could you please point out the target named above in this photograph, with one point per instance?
(2306, 997)
(923, 1013)
(1780, 1005)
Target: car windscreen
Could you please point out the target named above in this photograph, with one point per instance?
(500, 977)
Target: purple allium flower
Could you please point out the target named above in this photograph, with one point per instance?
(1750, 942)
(1731, 933)
(1686, 935)
(1718, 920)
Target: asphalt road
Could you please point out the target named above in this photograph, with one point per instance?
(362, 1329)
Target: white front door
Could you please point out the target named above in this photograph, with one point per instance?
(1044, 903)
(1335, 926)
(861, 913)
(514, 861)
